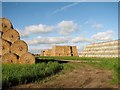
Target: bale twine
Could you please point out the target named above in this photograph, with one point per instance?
(4, 46)
(27, 58)
(9, 58)
(19, 47)
(5, 24)
(11, 35)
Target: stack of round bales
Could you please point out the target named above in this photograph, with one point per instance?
(13, 50)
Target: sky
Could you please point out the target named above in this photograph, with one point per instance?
(45, 24)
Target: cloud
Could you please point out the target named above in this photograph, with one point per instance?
(39, 28)
(67, 27)
(97, 26)
(80, 39)
(38, 49)
(103, 36)
(23, 33)
(65, 7)
(57, 40)
(94, 24)
(35, 50)
(48, 40)
(36, 29)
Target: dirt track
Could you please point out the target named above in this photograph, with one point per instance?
(83, 76)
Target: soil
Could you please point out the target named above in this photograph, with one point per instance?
(83, 76)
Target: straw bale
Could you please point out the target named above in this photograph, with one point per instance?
(5, 23)
(4, 46)
(19, 47)
(3, 30)
(27, 58)
(11, 35)
(9, 58)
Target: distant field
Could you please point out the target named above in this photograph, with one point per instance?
(74, 58)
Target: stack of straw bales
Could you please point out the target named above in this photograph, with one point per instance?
(61, 51)
(108, 49)
(13, 50)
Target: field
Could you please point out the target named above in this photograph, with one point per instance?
(24, 74)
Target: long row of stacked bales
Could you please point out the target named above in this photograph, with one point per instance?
(108, 49)
(13, 50)
(61, 51)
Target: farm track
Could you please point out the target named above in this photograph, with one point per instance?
(82, 76)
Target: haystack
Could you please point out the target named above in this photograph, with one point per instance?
(9, 58)
(5, 46)
(5, 24)
(12, 49)
(19, 47)
(27, 58)
(11, 35)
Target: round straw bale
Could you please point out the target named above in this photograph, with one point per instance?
(27, 58)
(19, 47)
(9, 58)
(5, 23)
(3, 30)
(4, 46)
(11, 35)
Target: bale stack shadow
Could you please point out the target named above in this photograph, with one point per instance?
(13, 50)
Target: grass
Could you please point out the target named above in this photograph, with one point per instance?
(13, 74)
(62, 57)
(72, 58)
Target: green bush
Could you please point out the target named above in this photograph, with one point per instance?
(13, 74)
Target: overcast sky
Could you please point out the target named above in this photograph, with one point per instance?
(43, 25)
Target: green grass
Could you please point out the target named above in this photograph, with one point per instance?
(13, 74)
(72, 58)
